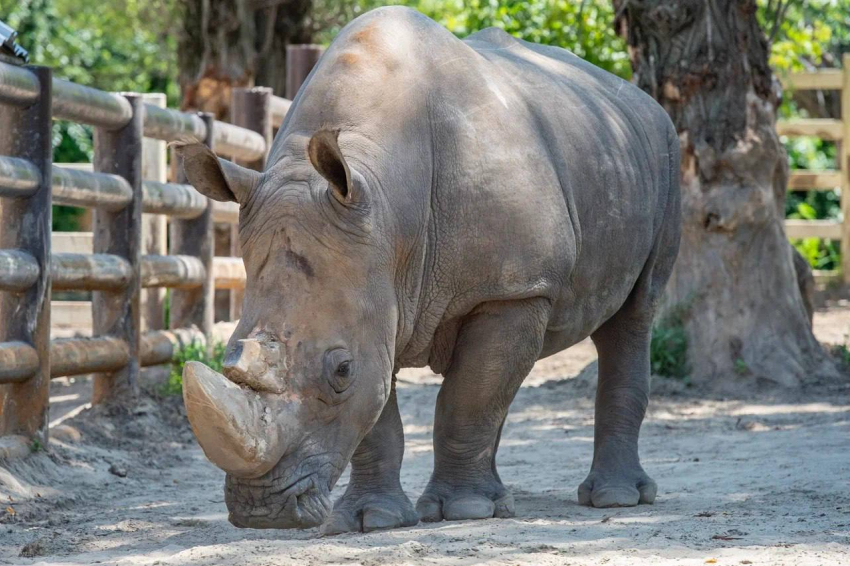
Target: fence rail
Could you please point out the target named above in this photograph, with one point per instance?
(806, 180)
(110, 262)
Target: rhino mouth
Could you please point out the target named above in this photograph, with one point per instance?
(277, 478)
(260, 504)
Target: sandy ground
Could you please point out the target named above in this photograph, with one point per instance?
(763, 480)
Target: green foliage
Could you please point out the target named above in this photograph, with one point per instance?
(36, 445)
(668, 348)
(120, 45)
(820, 253)
(193, 352)
(813, 153)
(809, 33)
(842, 354)
(585, 27)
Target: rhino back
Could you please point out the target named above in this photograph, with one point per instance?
(602, 144)
(553, 179)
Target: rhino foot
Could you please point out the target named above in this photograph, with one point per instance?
(624, 489)
(438, 503)
(370, 512)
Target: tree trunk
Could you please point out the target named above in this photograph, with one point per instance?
(735, 287)
(236, 43)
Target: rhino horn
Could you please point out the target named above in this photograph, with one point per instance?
(257, 364)
(234, 425)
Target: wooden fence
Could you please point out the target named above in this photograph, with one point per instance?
(117, 270)
(832, 130)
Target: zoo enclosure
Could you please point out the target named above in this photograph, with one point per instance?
(830, 130)
(117, 271)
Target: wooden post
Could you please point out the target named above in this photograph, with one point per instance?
(300, 60)
(25, 225)
(844, 167)
(194, 307)
(117, 313)
(251, 109)
(154, 226)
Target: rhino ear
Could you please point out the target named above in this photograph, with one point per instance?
(216, 178)
(327, 158)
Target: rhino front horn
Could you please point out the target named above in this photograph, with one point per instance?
(234, 425)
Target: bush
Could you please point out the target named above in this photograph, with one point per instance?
(842, 356)
(668, 349)
(194, 352)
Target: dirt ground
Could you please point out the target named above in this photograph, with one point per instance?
(758, 480)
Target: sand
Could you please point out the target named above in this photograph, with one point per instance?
(763, 479)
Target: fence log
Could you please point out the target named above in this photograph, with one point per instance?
(194, 307)
(169, 125)
(844, 165)
(177, 201)
(238, 143)
(300, 60)
(117, 314)
(158, 347)
(18, 85)
(110, 111)
(229, 273)
(822, 79)
(18, 362)
(177, 271)
(86, 105)
(74, 187)
(18, 271)
(90, 272)
(809, 180)
(829, 229)
(825, 128)
(78, 356)
(226, 212)
(250, 108)
(25, 225)
(18, 178)
(156, 194)
(279, 107)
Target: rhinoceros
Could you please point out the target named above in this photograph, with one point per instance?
(472, 205)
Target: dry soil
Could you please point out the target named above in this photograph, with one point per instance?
(763, 479)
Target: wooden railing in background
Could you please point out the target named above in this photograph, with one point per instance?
(110, 262)
(832, 130)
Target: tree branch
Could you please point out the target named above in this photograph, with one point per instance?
(779, 17)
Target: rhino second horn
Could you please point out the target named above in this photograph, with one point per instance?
(233, 425)
(259, 364)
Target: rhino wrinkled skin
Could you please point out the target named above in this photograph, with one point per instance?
(471, 205)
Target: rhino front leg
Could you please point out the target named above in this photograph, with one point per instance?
(374, 498)
(616, 477)
(494, 352)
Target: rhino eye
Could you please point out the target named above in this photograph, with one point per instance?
(339, 369)
(343, 369)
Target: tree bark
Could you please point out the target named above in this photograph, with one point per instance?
(735, 286)
(236, 43)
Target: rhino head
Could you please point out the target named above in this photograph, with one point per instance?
(309, 367)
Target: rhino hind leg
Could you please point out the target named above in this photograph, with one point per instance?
(495, 350)
(616, 477)
(374, 498)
